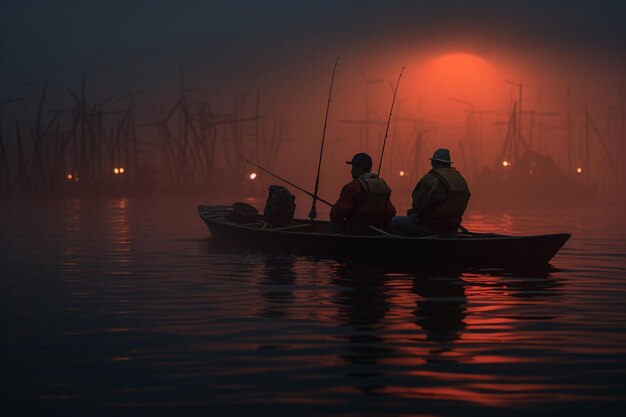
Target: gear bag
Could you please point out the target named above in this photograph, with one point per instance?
(280, 206)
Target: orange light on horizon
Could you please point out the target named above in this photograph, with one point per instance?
(121, 170)
(579, 170)
(253, 175)
(116, 171)
(70, 176)
(403, 173)
(506, 164)
(458, 81)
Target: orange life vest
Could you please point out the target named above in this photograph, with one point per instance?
(378, 194)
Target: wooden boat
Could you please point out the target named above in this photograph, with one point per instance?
(316, 238)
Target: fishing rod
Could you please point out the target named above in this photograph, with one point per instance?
(380, 164)
(313, 211)
(286, 181)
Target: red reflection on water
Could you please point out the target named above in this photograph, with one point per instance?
(447, 393)
(449, 376)
(72, 249)
(490, 223)
(119, 225)
(507, 359)
(490, 395)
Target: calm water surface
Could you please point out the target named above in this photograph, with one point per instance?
(124, 307)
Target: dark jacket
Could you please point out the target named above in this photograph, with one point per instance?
(440, 199)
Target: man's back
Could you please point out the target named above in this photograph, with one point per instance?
(440, 198)
(364, 200)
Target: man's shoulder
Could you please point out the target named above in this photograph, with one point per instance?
(443, 172)
(370, 177)
(430, 177)
(353, 185)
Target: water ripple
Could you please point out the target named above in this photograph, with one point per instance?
(110, 308)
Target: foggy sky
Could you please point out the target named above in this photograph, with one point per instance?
(287, 48)
(123, 44)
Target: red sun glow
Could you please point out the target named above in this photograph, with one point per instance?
(459, 76)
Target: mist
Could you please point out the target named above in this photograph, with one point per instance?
(464, 65)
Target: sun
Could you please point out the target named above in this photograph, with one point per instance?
(459, 76)
(461, 67)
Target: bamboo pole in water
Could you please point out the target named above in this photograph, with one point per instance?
(6, 181)
(622, 154)
(20, 158)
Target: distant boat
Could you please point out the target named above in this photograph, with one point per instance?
(316, 238)
(532, 181)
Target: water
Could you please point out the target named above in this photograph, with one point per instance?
(123, 307)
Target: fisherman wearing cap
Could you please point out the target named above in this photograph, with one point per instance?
(364, 201)
(439, 201)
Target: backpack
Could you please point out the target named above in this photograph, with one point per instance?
(280, 206)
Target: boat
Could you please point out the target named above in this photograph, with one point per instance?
(231, 225)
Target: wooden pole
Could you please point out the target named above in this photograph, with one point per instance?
(5, 164)
(20, 158)
(570, 145)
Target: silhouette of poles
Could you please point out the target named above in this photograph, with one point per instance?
(590, 124)
(621, 147)
(368, 110)
(5, 185)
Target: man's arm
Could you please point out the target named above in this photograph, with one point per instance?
(344, 207)
(390, 211)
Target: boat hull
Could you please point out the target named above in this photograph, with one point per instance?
(474, 249)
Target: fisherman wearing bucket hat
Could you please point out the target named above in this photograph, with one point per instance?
(363, 202)
(442, 155)
(439, 200)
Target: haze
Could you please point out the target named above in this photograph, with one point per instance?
(458, 57)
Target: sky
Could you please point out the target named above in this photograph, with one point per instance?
(142, 42)
(287, 50)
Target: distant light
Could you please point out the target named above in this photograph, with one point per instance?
(506, 164)
(116, 171)
(402, 173)
(253, 175)
(76, 179)
(579, 170)
(121, 170)
(70, 176)
(530, 172)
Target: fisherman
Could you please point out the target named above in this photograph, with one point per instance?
(363, 202)
(439, 201)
